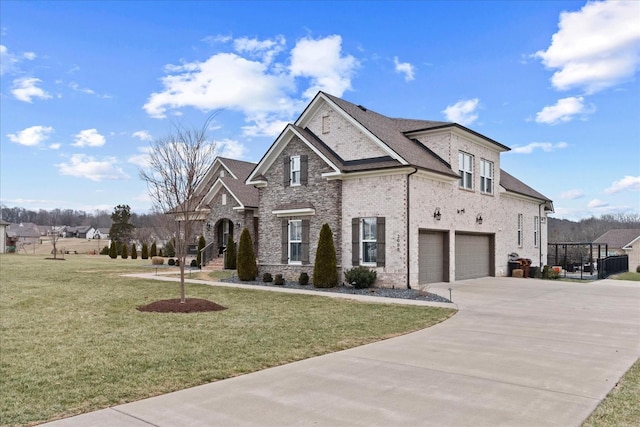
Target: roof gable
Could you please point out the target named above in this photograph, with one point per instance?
(619, 238)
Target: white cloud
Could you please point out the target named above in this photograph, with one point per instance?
(142, 135)
(25, 88)
(322, 61)
(596, 47)
(628, 183)
(596, 203)
(257, 85)
(564, 111)
(544, 146)
(462, 112)
(89, 138)
(82, 166)
(8, 61)
(76, 87)
(404, 68)
(230, 149)
(572, 194)
(55, 146)
(29, 56)
(31, 136)
(142, 159)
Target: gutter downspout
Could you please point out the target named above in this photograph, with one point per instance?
(408, 228)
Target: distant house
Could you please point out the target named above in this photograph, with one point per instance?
(623, 242)
(3, 236)
(80, 232)
(98, 233)
(24, 233)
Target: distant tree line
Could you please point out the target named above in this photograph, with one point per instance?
(588, 229)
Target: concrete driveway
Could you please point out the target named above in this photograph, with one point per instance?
(520, 352)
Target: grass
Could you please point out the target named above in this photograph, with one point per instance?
(621, 407)
(72, 341)
(627, 276)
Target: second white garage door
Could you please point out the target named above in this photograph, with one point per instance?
(474, 256)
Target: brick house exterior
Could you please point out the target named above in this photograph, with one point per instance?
(418, 201)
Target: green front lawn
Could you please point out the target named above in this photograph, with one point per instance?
(72, 341)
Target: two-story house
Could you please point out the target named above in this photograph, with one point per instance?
(418, 201)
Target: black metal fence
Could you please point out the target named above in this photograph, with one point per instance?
(587, 261)
(613, 265)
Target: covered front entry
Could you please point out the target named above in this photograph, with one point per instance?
(474, 256)
(224, 228)
(433, 256)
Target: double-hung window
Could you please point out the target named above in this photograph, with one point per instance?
(486, 176)
(519, 230)
(369, 241)
(295, 170)
(465, 168)
(295, 241)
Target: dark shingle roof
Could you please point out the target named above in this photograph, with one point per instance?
(619, 238)
(246, 194)
(240, 168)
(510, 183)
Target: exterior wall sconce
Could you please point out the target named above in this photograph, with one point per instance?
(208, 226)
(437, 215)
(460, 211)
(479, 219)
(238, 224)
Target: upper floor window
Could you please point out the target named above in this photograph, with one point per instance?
(221, 173)
(294, 177)
(224, 199)
(326, 124)
(519, 230)
(465, 167)
(486, 176)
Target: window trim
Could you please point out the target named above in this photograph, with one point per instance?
(484, 179)
(356, 243)
(292, 242)
(373, 240)
(295, 180)
(520, 236)
(465, 175)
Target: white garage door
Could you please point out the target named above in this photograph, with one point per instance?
(431, 257)
(473, 256)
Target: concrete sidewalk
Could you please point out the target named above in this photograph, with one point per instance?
(519, 353)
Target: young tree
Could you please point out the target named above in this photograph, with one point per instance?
(145, 251)
(176, 166)
(121, 229)
(124, 253)
(247, 267)
(154, 250)
(134, 251)
(113, 250)
(230, 255)
(325, 270)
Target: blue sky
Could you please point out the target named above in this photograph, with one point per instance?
(85, 87)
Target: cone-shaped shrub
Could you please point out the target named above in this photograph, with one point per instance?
(230, 255)
(201, 244)
(113, 251)
(325, 269)
(154, 250)
(169, 249)
(145, 251)
(134, 251)
(247, 267)
(124, 253)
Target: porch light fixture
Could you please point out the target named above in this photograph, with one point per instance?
(436, 214)
(238, 224)
(460, 211)
(479, 219)
(208, 226)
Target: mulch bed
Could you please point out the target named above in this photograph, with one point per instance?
(191, 305)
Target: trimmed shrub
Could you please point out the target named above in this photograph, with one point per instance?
(303, 279)
(194, 263)
(145, 251)
(549, 273)
(279, 280)
(113, 250)
(325, 270)
(201, 244)
(171, 261)
(230, 255)
(267, 278)
(246, 265)
(134, 251)
(105, 251)
(154, 250)
(169, 249)
(124, 253)
(160, 253)
(360, 277)
(157, 260)
(638, 269)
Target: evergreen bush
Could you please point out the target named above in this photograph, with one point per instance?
(325, 270)
(194, 263)
(145, 251)
(267, 278)
(124, 253)
(201, 244)
(279, 280)
(169, 249)
(113, 251)
(638, 269)
(105, 251)
(360, 277)
(230, 254)
(160, 253)
(303, 279)
(154, 250)
(134, 251)
(246, 264)
(171, 261)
